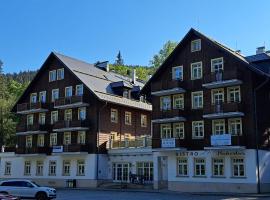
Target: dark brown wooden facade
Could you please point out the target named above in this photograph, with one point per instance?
(98, 125)
(235, 68)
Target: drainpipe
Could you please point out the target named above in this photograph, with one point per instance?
(256, 133)
(97, 159)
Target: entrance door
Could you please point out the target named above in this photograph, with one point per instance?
(121, 172)
(163, 172)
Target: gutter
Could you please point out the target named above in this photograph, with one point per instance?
(256, 89)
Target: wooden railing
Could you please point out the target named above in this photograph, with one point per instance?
(224, 107)
(222, 75)
(33, 150)
(31, 106)
(76, 148)
(132, 143)
(70, 124)
(34, 127)
(68, 100)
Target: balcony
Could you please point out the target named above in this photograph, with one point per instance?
(33, 150)
(71, 148)
(223, 110)
(70, 102)
(222, 79)
(76, 125)
(24, 129)
(173, 115)
(133, 143)
(27, 108)
(168, 144)
(167, 87)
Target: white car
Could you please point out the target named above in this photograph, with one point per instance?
(26, 189)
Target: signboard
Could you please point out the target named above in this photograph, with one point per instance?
(168, 143)
(221, 140)
(57, 149)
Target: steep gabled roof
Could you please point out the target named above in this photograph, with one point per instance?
(232, 52)
(97, 81)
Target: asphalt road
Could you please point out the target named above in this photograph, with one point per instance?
(127, 195)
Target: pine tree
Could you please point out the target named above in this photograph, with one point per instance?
(119, 60)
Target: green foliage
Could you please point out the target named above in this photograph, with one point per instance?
(160, 57)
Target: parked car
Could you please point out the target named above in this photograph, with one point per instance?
(8, 197)
(26, 189)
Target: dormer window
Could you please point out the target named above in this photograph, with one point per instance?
(195, 45)
(52, 75)
(33, 98)
(177, 73)
(60, 74)
(79, 90)
(126, 93)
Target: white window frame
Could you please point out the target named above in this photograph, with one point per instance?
(143, 120)
(218, 92)
(28, 141)
(68, 114)
(81, 168)
(54, 113)
(69, 88)
(55, 97)
(52, 167)
(199, 44)
(165, 131)
(199, 68)
(42, 118)
(8, 167)
(30, 119)
(197, 125)
(82, 110)
(234, 92)
(178, 101)
(41, 94)
(232, 121)
(212, 64)
(218, 163)
(217, 126)
(66, 167)
(35, 100)
(79, 90)
(201, 163)
(27, 168)
(114, 115)
(39, 168)
(179, 130)
(238, 165)
(53, 77)
(165, 105)
(40, 140)
(182, 166)
(197, 94)
(67, 138)
(128, 118)
(81, 137)
(60, 74)
(180, 73)
(53, 139)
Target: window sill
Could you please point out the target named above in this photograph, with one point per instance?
(80, 175)
(238, 177)
(199, 176)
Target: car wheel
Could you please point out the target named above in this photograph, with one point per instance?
(41, 196)
(3, 192)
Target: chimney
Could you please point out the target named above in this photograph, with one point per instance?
(260, 50)
(238, 51)
(103, 65)
(134, 76)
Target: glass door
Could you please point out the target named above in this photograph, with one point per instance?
(121, 172)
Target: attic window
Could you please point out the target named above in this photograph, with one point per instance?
(126, 93)
(195, 45)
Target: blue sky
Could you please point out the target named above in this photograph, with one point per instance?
(94, 30)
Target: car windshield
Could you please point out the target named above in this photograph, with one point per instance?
(35, 184)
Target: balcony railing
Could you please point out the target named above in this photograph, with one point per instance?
(69, 102)
(224, 107)
(167, 84)
(33, 150)
(161, 114)
(32, 128)
(168, 143)
(70, 125)
(26, 108)
(133, 143)
(70, 148)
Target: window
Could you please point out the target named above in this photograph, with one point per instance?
(53, 139)
(178, 130)
(145, 169)
(66, 168)
(197, 129)
(42, 96)
(80, 168)
(218, 127)
(114, 115)
(39, 168)
(79, 90)
(67, 138)
(165, 103)
(126, 94)
(54, 117)
(33, 98)
(178, 101)
(195, 45)
(7, 168)
(40, 140)
(42, 118)
(30, 120)
(177, 73)
(197, 99)
(235, 126)
(68, 115)
(196, 70)
(60, 74)
(218, 167)
(55, 94)
(82, 113)
(143, 120)
(238, 167)
(234, 94)
(68, 91)
(27, 168)
(28, 143)
(217, 65)
(81, 137)
(182, 167)
(166, 130)
(128, 118)
(52, 76)
(199, 167)
(52, 168)
(217, 96)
